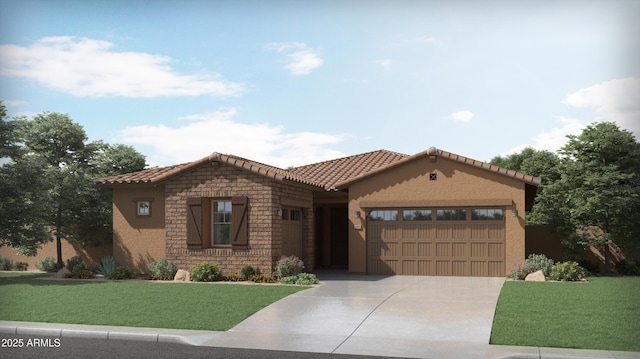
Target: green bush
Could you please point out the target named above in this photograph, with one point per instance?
(536, 262)
(288, 266)
(263, 278)
(5, 263)
(47, 264)
(206, 272)
(233, 277)
(21, 266)
(307, 279)
(520, 272)
(121, 273)
(73, 262)
(106, 265)
(567, 271)
(289, 280)
(80, 272)
(249, 271)
(625, 267)
(161, 269)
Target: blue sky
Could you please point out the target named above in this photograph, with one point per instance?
(296, 82)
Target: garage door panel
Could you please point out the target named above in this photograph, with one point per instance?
(459, 248)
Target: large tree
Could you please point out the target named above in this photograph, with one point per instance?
(600, 186)
(543, 164)
(62, 189)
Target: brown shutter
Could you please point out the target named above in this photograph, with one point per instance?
(239, 221)
(194, 222)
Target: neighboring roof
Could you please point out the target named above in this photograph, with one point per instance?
(330, 173)
(160, 175)
(434, 152)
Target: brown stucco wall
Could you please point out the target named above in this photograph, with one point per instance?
(138, 241)
(90, 255)
(225, 181)
(456, 185)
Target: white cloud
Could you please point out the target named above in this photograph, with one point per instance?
(302, 60)
(90, 68)
(13, 103)
(219, 132)
(614, 100)
(462, 116)
(386, 63)
(553, 139)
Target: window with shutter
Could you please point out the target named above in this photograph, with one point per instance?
(239, 221)
(194, 222)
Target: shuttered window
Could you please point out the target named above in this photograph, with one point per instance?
(214, 222)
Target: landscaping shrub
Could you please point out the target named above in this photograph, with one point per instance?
(5, 263)
(233, 277)
(288, 266)
(263, 278)
(80, 271)
(121, 273)
(537, 262)
(47, 264)
(161, 269)
(625, 267)
(73, 262)
(21, 266)
(289, 280)
(567, 271)
(520, 272)
(206, 272)
(249, 271)
(307, 279)
(106, 265)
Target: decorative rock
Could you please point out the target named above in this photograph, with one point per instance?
(182, 276)
(536, 276)
(62, 272)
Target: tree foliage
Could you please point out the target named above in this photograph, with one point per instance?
(48, 182)
(591, 189)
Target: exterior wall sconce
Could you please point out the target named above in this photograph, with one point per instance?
(279, 212)
(357, 214)
(514, 212)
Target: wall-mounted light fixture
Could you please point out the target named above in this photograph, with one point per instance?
(279, 212)
(514, 212)
(357, 214)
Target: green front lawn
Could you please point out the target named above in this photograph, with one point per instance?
(202, 306)
(601, 314)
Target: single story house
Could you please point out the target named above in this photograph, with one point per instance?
(380, 212)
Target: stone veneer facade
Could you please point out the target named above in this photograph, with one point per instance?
(264, 194)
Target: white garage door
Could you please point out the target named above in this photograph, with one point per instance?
(436, 241)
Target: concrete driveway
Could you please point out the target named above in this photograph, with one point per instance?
(405, 316)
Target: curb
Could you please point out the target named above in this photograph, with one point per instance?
(195, 338)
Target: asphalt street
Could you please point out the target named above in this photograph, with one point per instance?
(53, 347)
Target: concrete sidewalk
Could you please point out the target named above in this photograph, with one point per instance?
(398, 316)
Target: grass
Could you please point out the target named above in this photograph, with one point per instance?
(602, 314)
(201, 306)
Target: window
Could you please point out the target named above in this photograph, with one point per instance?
(383, 215)
(416, 215)
(487, 214)
(295, 215)
(451, 215)
(143, 206)
(221, 223)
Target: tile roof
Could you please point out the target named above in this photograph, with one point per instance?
(535, 181)
(159, 175)
(331, 175)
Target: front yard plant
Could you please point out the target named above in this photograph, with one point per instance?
(5, 263)
(533, 263)
(106, 265)
(119, 273)
(47, 264)
(162, 269)
(567, 271)
(206, 272)
(288, 266)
